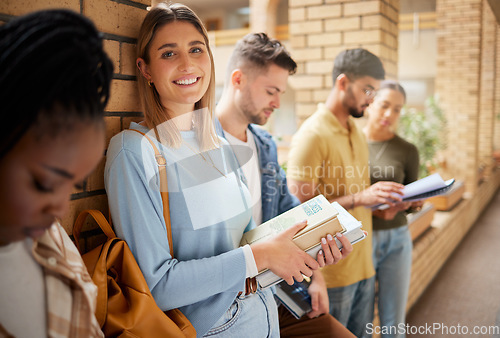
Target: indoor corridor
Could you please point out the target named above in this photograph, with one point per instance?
(466, 291)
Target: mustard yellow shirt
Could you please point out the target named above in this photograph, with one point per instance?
(336, 159)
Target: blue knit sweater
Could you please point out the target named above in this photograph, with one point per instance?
(209, 213)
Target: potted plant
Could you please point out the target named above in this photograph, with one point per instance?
(426, 130)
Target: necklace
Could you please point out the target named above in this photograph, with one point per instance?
(382, 149)
(211, 162)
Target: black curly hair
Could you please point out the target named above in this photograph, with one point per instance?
(54, 74)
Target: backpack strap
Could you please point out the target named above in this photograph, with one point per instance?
(99, 218)
(162, 167)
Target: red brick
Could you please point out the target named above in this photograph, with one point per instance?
(99, 202)
(124, 96)
(112, 48)
(96, 180)
(115, 18)
(21, 7)
(128, 57)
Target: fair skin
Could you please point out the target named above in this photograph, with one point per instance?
(38, 176)
(180, 70)
(252, 99)
(349, 98)
(383, 116)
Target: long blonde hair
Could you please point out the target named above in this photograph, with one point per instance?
(154, 112)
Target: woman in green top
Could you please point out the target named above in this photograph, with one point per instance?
(391, 159)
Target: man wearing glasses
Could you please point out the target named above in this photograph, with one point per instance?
(329, 156)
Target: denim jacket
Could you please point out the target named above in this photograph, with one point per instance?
(276, 198)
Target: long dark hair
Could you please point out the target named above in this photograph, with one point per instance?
(54, 73)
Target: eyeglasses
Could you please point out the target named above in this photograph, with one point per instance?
(369, 93)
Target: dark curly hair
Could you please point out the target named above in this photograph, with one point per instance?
(55, 74)
(356, 63)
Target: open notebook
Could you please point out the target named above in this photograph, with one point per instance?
(426, 187)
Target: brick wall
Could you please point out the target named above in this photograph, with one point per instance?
(487, 89)
(263, 16)
(496, 129)
(119, 21)
(434, 247)
(320, 29)
(465, 83)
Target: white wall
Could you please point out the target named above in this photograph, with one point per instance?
(417, 64)
(417, 54)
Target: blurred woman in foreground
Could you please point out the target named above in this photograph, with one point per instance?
(54, 85)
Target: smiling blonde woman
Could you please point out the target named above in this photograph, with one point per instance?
(210, 205)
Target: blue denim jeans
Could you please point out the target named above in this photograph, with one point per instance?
(392, 250)
(352, 305)
(252, 316)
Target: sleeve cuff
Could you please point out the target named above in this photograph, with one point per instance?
(251, 266)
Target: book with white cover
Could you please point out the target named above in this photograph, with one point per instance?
(352, 231)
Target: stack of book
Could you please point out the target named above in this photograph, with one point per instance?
(322, 218)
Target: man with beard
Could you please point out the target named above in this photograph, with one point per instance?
(256, 77)
(329, 156)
